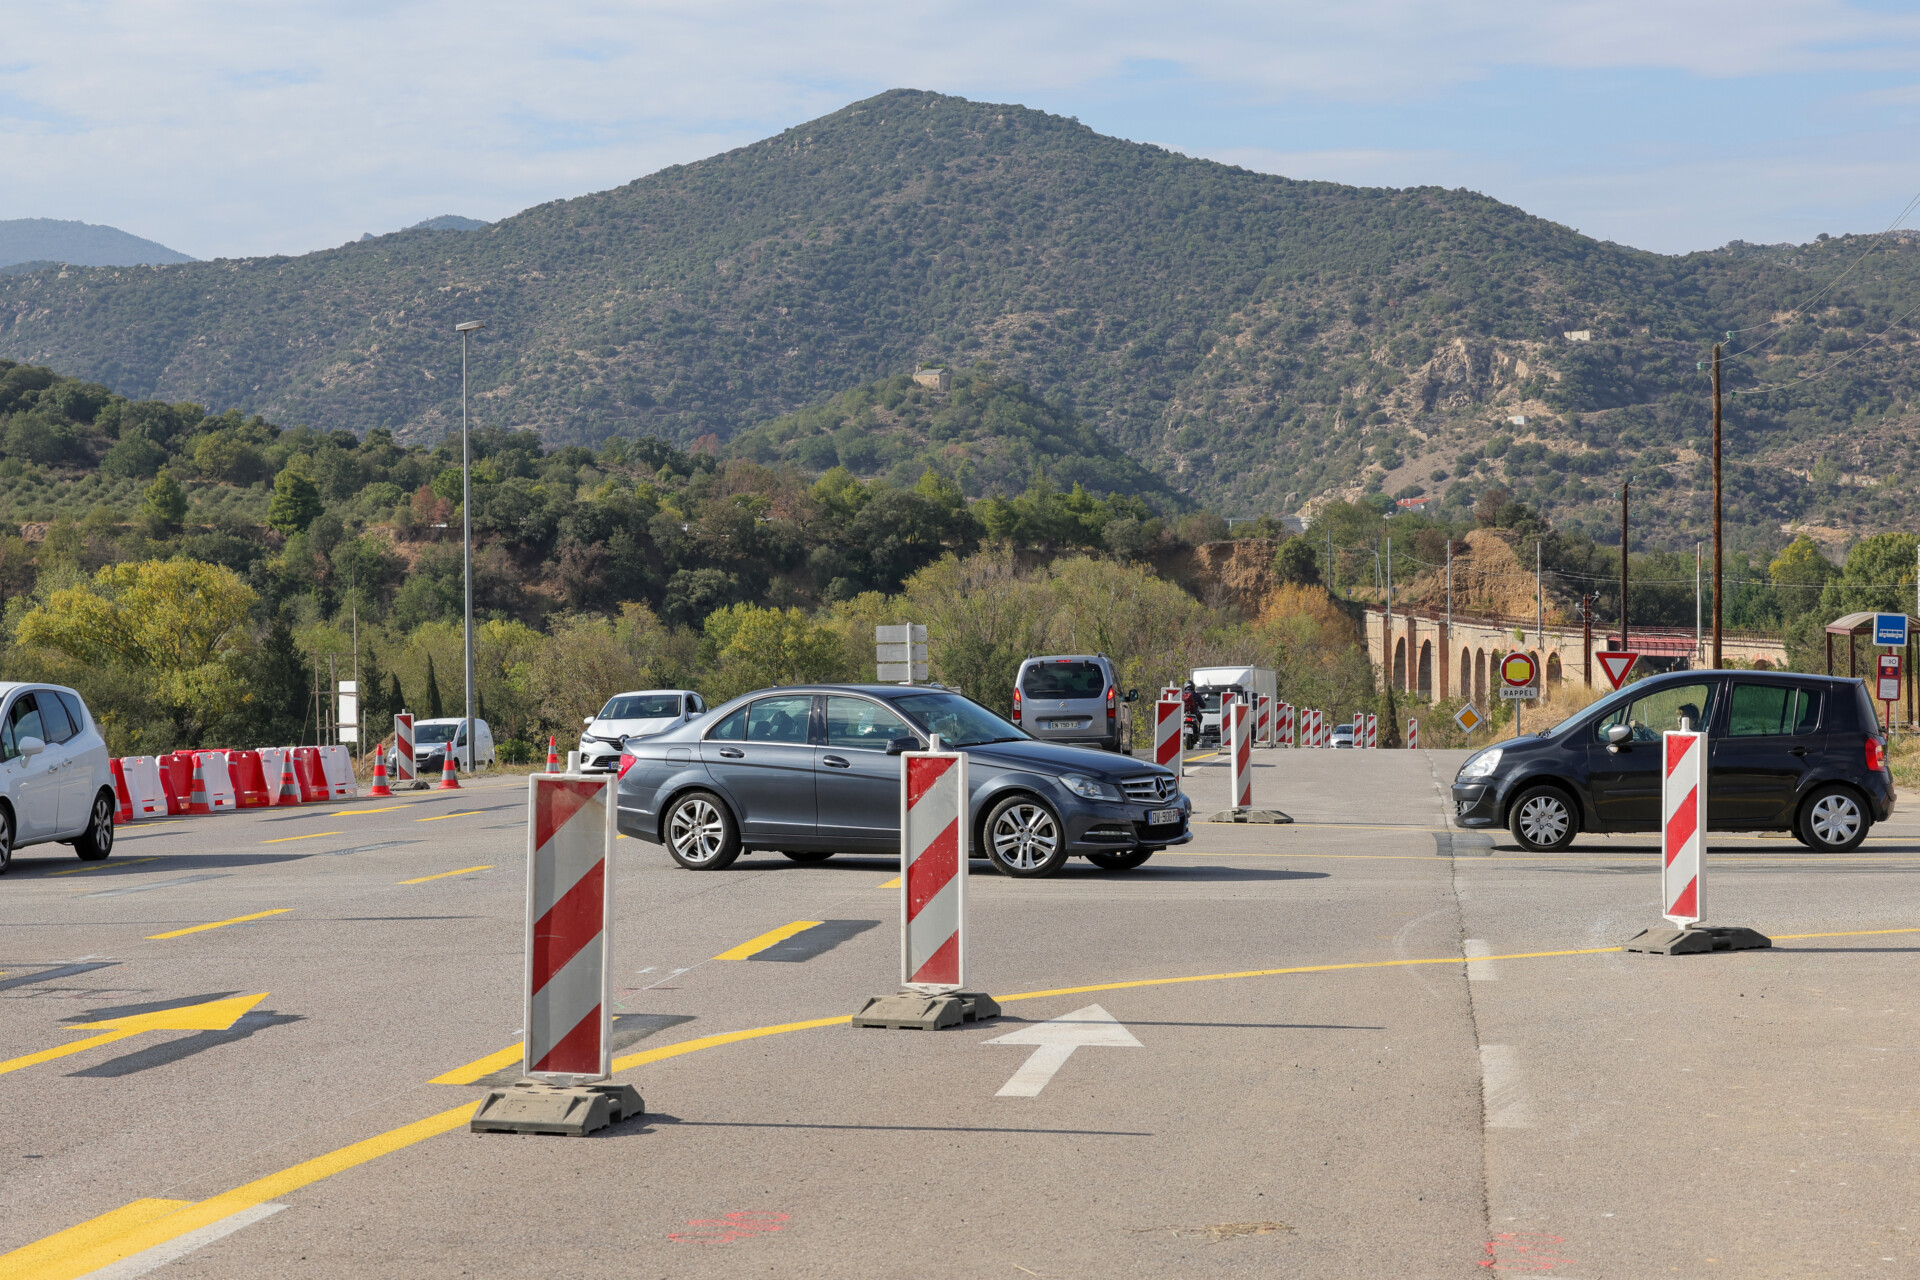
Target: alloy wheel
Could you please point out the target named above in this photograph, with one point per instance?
(1025, 837)
(102, 829)
(1544, 820)
(1835, 819)
(697, 830)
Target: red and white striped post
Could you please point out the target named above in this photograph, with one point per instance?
(1359, 728)
(570, 835)
(1319, 727)
(933, 870)
(404, 770)
(1168, 725)
(1413, 735)
(1373, 730)
(1263, 720)
(1239, 723)
(1683, 825)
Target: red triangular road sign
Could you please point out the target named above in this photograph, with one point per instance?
(1616, 663)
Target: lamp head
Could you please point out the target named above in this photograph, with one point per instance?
(469, 326)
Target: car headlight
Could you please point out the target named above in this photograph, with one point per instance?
(1482, 765)
(1092, 789)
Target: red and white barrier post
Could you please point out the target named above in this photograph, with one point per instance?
(1373, 730)
(1169, 725)
(1263, 720)
(1359, 728)
(1239, 758)
(1413, 735)
(567, 1054)
(1288, 736)
(1683, 846)
(405, 772)
(935, 829)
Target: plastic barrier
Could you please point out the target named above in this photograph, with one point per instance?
(176, 777)
(1263, 720)
(1683, 825)
(311, 774)
(122, 800)
(1169, 724)
(249, 777)
(569, 919)
(1373, 730)
(933, 870)
(218, 780)
(337, 767)
(1413, 735)
(137, 780)
(1239, 725)
(404, 767)
(1359, 729)
(1287, 738)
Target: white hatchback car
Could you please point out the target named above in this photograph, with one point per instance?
(638, 714)
(55, 782)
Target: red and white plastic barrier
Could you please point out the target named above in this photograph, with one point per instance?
(217, 779)
(404, 769)
(570, 835)
(1263, 720)
(1683, 825)
(1286, 730)
(250, 790)
(1413, 735)
(933, 869)
(1169, 726)
(1319, 738)
(337, 767)
(1239, 725)
(1373, 730)
(1359, 728)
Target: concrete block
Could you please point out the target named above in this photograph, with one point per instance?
(574, 1111)
(1265, 816)
(1697, 939)
(1462, 844)
(915, 1011)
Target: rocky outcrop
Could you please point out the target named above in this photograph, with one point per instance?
(1459, 375)
(1234, 574)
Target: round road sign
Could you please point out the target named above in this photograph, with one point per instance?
(1517, 670)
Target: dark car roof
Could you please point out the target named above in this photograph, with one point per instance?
(1666, 677)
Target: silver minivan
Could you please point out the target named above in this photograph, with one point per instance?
(55, 782)
(1074, 699)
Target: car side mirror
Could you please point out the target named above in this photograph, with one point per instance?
(31, 746)
(586, 719)
(1618, 735)
(895, 746)
(1133, 695)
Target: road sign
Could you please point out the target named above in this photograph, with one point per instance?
(1890, 629)
(1617, 663)
(1467, 718)
(1517, 671)
(1525, 694)
(1889, 677)
(1055, 1041)
(1683, 838)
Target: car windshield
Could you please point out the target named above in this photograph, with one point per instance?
(1056, 678)
(428, 733)
(959, 721)
(641, 706)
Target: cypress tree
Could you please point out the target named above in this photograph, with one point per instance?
(434, 710)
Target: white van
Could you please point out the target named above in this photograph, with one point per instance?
(639, 713)
(55, 782)
(431, 738)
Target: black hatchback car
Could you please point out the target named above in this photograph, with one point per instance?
(1788, 752)
(812, 771)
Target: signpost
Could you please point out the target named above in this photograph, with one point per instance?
(1889, 691)
(1468, 719)
(1518, 677)
(1890, 629)
(900, 653)
(1617, 663)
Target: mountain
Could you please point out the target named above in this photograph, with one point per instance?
(449, 222)
(50, 241)
(1259, 343)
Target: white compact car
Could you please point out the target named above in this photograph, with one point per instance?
(639, 714)
(55, 782)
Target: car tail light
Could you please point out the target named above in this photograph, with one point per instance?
(1110, 702)
(1876, 755)
(626, 763)
(1016, 704)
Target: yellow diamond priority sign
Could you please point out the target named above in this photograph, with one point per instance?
(1467, 718)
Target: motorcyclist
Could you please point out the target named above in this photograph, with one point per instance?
(1191, 697)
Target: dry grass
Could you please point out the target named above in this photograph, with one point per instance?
(1561, 701)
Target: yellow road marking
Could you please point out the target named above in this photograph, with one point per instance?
(444, 874)
(753, 946)
(892, 884)
(441, 816)
(93, 1249)
(214, 1015)
(105, 866)
(92, 1233)
(482, 1067)
(218, 924)
(355, 813)
(314, 836)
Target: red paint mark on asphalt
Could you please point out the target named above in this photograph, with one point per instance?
(1524, 1251)
(744, 1225)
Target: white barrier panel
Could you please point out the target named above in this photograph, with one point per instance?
(1683, 825)
(1263, 720)
(1287, 735)
(338, 767)
(1373, 729)
(1169, 723)
(570, 835)
(404, 767)
(272, 762)
(933, 869)
(146, 797)
(1359, 729)
(219, 783)
(1239, 735)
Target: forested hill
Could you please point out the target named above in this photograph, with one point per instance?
(1257, 340)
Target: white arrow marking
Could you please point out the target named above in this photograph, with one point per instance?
(1056, 1041)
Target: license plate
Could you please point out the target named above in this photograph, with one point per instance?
(1068, 724)
(1163, 817)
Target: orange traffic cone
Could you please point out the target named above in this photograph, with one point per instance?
(553, 756)
(449, 773)
(379, 787)
(289, 785)
(197, 798)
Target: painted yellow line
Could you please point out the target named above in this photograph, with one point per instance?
(314, 836)
(753, 946)
(104, 866)
(95, 1248)
(218, 924)
(464, 871)
(1851, 933)
(468, 813)
(59, 1051)
(92, 1233)
(892, 884)
(479, 1068)
(355, 813)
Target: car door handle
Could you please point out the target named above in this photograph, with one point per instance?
(732, 753)
(836, 762)
(1798, 751)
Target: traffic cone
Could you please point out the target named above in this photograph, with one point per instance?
(449, 773)
(197, 798)
(289, 785)
(379, 787)
(553, 756)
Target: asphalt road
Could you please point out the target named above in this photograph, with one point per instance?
(1323, 1083)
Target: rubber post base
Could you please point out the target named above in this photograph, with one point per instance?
(917, 1011)
(568, 1111)
(1697, 939)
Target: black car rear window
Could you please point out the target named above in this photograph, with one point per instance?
(1064, 680)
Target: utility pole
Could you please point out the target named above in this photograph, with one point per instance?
(1446, 654)
(1697, 652)
(1586, 639)
(1333, 580)
(1626, 487)
(1539, 607)
(1716, 507)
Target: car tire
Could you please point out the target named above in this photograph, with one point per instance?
(700, 832)
(97, 841)
(6, 839)
(807, 855)
(1024, 838)
(1543, 819)
(1833, 820)
(1119, 861)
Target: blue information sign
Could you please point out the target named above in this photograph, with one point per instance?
(1890, 628)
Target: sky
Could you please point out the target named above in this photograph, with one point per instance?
(228, 129)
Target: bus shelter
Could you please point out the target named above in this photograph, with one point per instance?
(1854, 625)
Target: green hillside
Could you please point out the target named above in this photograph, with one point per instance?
(1259, 341)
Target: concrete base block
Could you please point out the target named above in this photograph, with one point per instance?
(1267, 816)
(914, 1011)
(573, 1111)
(1697, 939)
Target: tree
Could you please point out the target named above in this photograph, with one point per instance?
(396, 697)
(296, 502)
(1799, 573)
(164, 504)
(755, 648)
(1297, 562)
(435, 710)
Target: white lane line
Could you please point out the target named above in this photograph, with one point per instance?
(1503, 1093)
(1479, 969)
(173, 1250)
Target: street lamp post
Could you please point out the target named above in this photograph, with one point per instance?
(466, 525)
